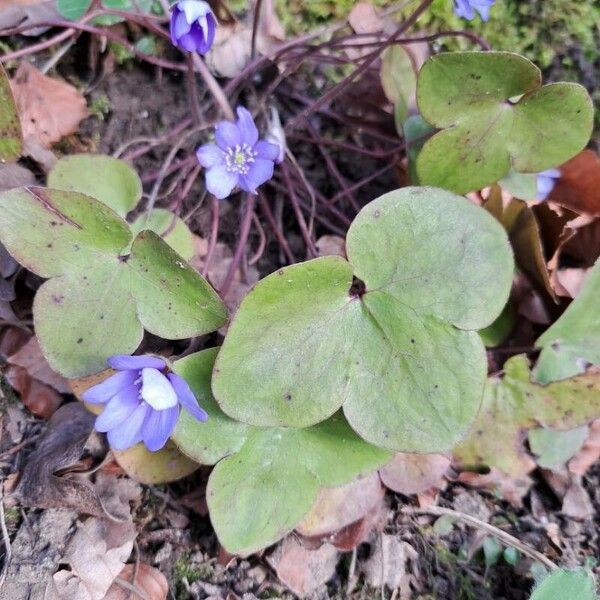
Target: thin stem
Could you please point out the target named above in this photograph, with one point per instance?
(508, 539)
(213, 85)
(241, 245)
(266, 209)
(214, 232)
(192, 90)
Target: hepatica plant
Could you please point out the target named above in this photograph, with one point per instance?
(329, 365)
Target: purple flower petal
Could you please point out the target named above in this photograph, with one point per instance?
(158, 426)
(220, 182)
(267, 150)
(129, 433)
(209, 34)
(186, 397)
(124, 362)
(193, 9)
(246, 126)
(157, 390)
(260, 171)
(209, 155)
(118, 409)
(180, 25)
(104, 391)
(227, 135)
(463, 9)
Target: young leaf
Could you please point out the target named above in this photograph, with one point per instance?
(108, 179)
(11, 138)
(496, 115)
(97, 300)
(271, 476)
(566, 585)
(574, 340)
(513, 404)
(395, 355)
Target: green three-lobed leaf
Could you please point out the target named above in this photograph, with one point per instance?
(98, 300)
(401, 357)
(266, 479)
(495, 115)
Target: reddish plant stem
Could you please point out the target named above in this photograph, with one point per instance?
(363, 182)
(283, 243)
(64, 35)
(192, 89)
(310, 246)
(153, 175)
(241, 245)
(214, 232)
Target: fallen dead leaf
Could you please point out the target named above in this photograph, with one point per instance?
(49, 479)
(415, 473)
(49, 109)
(13, 175)
(303, 570)
(96, 554)
(231, 49)
(364, 18)
(568, 282)
(393, 564)
(576, 502)
(512, 489)
(150, 581)
(578, 188)
(14, 13)
(331, 245)
(30, 357)
(589, 453)
(37, 397)
(338, 507)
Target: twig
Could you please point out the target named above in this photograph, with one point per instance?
(192, 90)
(255, 23)
(214, 232)
(508, 539)
(213, 85)
(283, 243)
(6, 539)
(241, 245)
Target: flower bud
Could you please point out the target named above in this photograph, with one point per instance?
(193, 26)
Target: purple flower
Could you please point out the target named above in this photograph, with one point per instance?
(142, 402)
(466, 8)
(193, 26)
(238, 158)
(545, 181)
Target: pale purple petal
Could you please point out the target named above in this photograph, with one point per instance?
(267, 150)
(129, 432)
(158, 426)
(124, 362)
(118, 409)
(220, 182)
(104, 391)
(260, 171)
(189, 41)
(554, 173)
(463, 9)
(193, 9)
(157, 390)
(227, 135)
(209, 155)
(210, 33)
(544, 186)
(186, 397)
(180, 25)
(246, 126)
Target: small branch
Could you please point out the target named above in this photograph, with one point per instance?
(508, 539)
(241, 245)
(6, 539)
(214, 232)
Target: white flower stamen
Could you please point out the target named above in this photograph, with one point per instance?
(238, 159)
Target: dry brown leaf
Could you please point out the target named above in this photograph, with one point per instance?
(576, 502)
(96, 554)
(30, 357)
(393, 564)
(589, 453)
(331, 245)
(150, 581)
(568, 282)
(415, 473)
(37, 397)
(231, 49)
(578, 188)
(13, 175)
(49, 109)
(303, 570)
(338, 507)
(512, 489)
(15, 13)
(364, 18)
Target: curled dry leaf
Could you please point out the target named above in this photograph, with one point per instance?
(578, 188)
(303, 570)
(150, 581)
(338, 507)
(568, 282)
(45, 482)
(37, 397)
(232, 47)
(49, 109)
(415, 473)
(364, 18)
(96, 554)
(15, 13)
